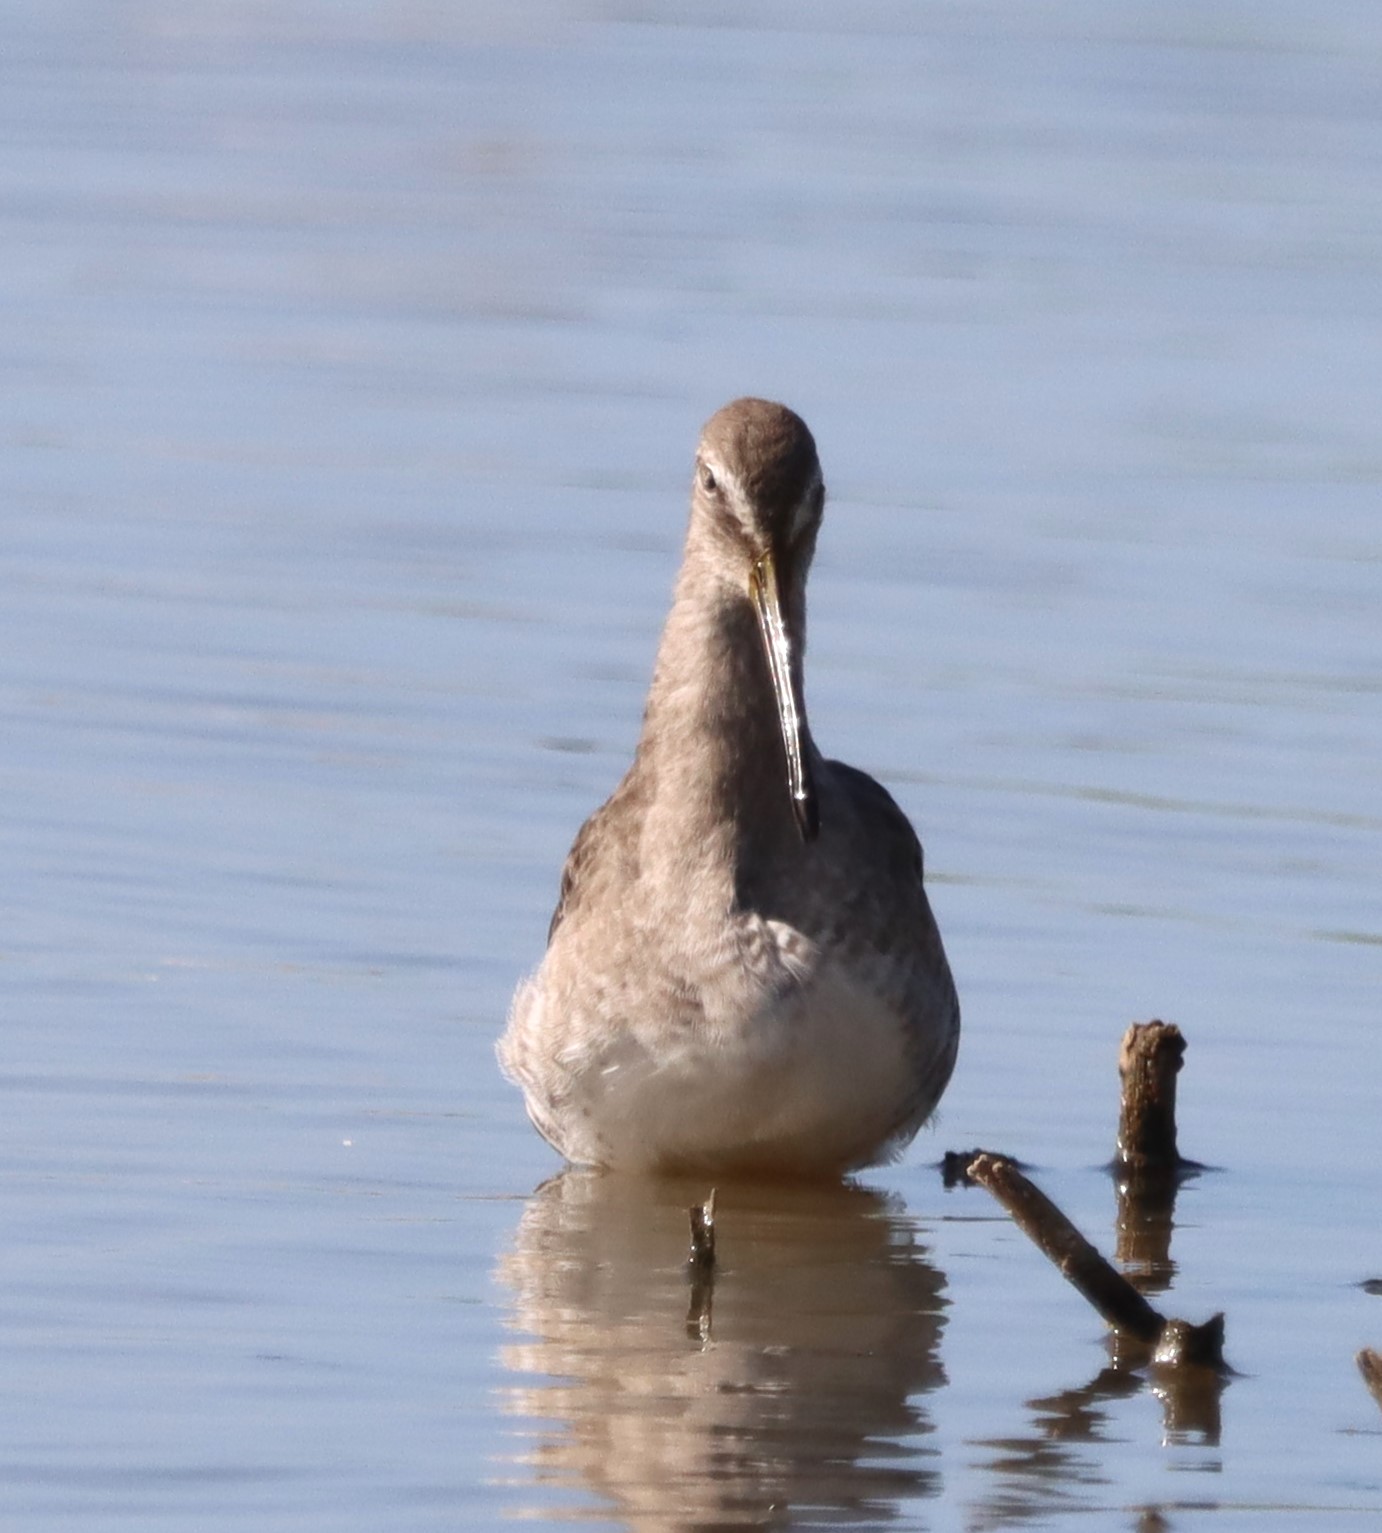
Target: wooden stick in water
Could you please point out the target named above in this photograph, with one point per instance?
(1047, 1227)
(702, 1254)
(955, 1164)
(700, 1269)
(1148, 1063)
(1176, 1341)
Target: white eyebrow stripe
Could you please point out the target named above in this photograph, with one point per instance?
(732, 490)
(742, 507)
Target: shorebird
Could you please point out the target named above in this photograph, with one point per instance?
(743, 972)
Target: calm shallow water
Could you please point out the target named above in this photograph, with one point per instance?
(352, 362)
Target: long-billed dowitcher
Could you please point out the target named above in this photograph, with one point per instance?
(743, 971)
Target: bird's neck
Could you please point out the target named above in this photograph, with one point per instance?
(711, 743)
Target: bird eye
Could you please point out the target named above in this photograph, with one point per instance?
(708, 481)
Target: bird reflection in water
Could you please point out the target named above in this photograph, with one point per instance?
(801, 1396)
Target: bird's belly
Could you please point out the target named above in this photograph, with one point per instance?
(813, 1078)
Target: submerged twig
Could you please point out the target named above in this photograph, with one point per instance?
(1370, 1366)
(1103, 1285)
(700, 1268)
(1197, 1346)
(955, 1165)
(702, 1254)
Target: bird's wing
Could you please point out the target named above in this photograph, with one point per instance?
(597, 842)
(574, 870)
(873, 802)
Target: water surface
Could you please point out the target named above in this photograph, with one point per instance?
(352, 361)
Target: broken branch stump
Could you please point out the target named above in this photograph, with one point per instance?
(1148, 1063)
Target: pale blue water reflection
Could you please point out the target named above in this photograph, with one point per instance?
(352, 359)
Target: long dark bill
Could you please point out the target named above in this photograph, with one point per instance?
(791, 707)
